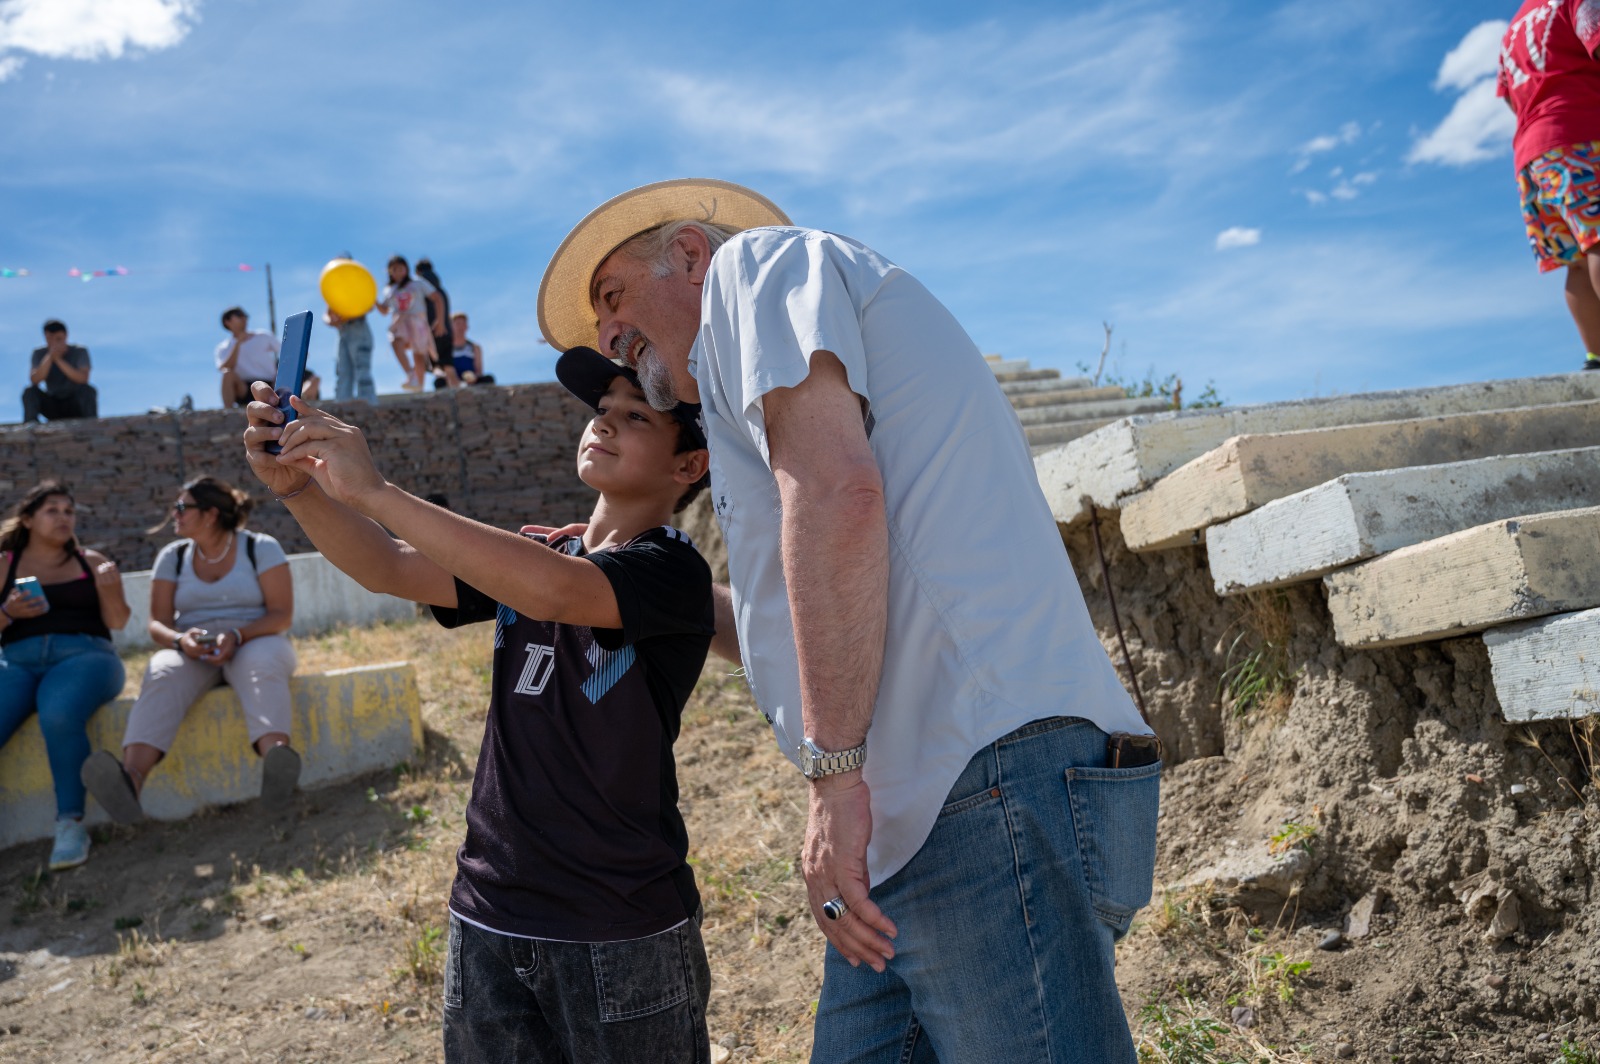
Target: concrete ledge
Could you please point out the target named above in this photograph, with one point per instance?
(1249, 471)
(1129, 456)
(1014, 388)
(1008, 365)
(1045, 436)
(346, 722)
(1362, 515)
(1064, 396)
(324, 598)
(1013, 376)
(1490, 575)
(1119, 406)
(1547, 669)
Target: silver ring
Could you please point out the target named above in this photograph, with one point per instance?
(834, 908)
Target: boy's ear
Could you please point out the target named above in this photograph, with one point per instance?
(692, 465)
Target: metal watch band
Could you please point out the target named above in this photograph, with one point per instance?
(816, 762)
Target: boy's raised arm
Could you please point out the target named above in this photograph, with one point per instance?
(517, 571)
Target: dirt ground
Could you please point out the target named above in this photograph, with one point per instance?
(1359, 861)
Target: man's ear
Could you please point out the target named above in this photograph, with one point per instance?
(692, 244)
(692, 465)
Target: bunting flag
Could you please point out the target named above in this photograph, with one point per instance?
(122, 271)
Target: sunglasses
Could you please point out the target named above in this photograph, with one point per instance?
(184, 507)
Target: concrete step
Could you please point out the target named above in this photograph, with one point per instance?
(1012, 377)
(346, 722)
(1104, 409)
(1547, 669)
(1362, 515)
(1042, 438)
(1496, 573)
(1063, 396)
(993, 358)
(1045, 384)
(1010, 365)
(1249, 471)
(1128, 457)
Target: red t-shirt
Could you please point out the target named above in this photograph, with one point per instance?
(1549, 72)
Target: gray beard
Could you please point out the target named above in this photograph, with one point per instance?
(655, 381)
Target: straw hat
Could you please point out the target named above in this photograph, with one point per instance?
(565, 315)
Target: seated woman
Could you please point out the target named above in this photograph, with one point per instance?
(220, 601)
(56, 657)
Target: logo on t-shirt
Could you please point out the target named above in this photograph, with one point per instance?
(536, 670)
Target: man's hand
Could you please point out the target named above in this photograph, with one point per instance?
(834, 863)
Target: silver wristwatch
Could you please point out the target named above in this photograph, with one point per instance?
(816, 762)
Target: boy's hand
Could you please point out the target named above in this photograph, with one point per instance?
(574, 530)
(264, 419)
(334, 453)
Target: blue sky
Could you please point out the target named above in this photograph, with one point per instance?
(1290, 199)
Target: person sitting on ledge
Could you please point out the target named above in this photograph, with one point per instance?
(58, 384)
(221, 601)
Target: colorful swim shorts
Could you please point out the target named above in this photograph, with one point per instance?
(1561, 204)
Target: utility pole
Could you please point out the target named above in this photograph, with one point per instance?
(272, 306)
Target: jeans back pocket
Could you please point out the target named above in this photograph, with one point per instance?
(639, 977)
(1114, 814)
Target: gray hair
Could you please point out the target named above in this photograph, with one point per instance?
(654, 246)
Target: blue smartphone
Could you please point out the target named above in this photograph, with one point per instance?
(291, 365)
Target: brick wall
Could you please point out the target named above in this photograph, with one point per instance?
(502, 455)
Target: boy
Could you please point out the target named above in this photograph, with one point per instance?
(1550, 79)
(574, 920)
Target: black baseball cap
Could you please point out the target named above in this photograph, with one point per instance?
(586, 373)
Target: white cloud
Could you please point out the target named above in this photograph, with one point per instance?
(1479, 125)
(1366, 177)
(1344, 190)
(1316, 198)
(89, 29)
(1238, 237)
(1326, 142)
(1475, 58)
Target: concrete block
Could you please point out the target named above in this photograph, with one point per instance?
(1049, 437)
(1013, 376)
(1547, 669)
(325, 598)
(1106, 409)
(346, 723)
(1250, 471)
(1044, 384)
(1129, 456)
(1064, 396)
(1362, 515)
(1465, 582)
(1014, 365)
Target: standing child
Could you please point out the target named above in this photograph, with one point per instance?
(574, 919)
(1550, 78)
(407, 298)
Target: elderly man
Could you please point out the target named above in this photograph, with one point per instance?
(982, 791)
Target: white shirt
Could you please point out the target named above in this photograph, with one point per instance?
(258, 357)
(987, 628)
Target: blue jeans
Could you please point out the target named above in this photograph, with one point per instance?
(1008, 915)
(521, 999)
(65, 678)
(352, 375)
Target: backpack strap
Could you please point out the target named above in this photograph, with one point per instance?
(183, 548)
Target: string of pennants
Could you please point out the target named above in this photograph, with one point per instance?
(122, 271)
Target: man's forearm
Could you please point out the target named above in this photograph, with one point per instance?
(836, 564)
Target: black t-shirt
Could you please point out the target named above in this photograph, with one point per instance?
(573, 829)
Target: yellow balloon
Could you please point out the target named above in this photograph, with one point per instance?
(348, 288)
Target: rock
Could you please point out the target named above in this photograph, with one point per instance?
(410, 1012)
(1496, 980)
(729, 1041)
(719, 1053)
(1244, 1016)
(1331, 941)
(268, 920)
(315, 1013)
(1359, 924)
(1248, 872)
(1344, 1050)
(1507, 918)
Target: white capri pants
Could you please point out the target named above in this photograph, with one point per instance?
(258, 672)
